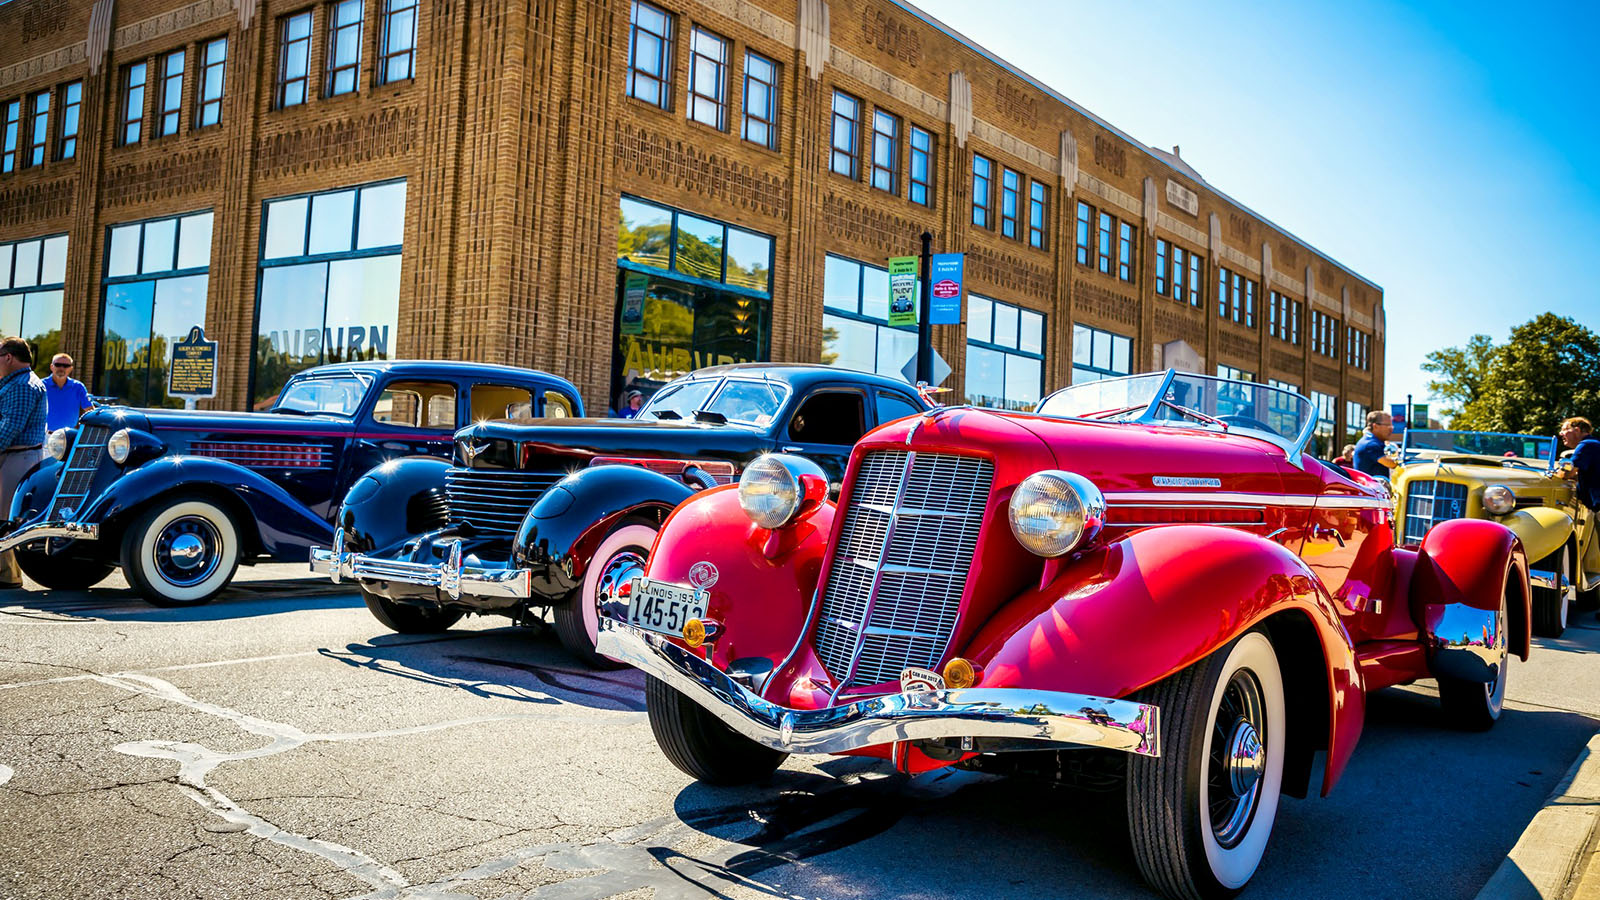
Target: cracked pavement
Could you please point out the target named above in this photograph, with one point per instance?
(280, 743)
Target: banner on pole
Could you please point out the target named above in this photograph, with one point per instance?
(634, 288)
(945, 279)
(1397, 412)
(902, 290)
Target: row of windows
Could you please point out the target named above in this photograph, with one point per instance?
(1236, 297)
(1357, 347)
(25, 127)
(1105, 242)
(342, 31)
(886, 141)
(1180, 274)
(1010, 183)
(1283, 318)
(170, 70)
(651, 34)
(1324, 335)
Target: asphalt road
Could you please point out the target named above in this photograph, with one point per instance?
(280, 744)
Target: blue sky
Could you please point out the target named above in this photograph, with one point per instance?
(1445, 151)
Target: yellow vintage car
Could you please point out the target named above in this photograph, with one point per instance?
(1512, 479)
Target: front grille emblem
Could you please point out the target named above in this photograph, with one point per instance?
(470, 451)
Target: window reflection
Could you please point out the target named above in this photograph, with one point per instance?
(644, 235)
(699, 250)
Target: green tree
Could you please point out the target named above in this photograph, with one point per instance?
(1461, 372)
(1548, 370)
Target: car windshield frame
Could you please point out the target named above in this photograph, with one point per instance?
(1407, 447)
(780, 391)
(1148, 411)
(363, 380)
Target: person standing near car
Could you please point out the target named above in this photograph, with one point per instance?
(67, 397)
(1577, 434)
(22, 431)
(1369, 453)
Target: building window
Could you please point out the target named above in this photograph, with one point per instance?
(886, 152)
(658, 237)
(67, 120)
(708, 79)
(1099, 354)
(1081, 235)
(1235, 374)
(855, 323)
(846, 140)
(1010, 199)
(1038, 208)
(1321, 443)
(1355, 421)
(1249, 303)
(1324, 335)
(1356, 348)
(1196, 276)
(294, 58)
(1283, 412)
(38, 128)
(1161, 267)
(982, 191)
(1283, 318)
(344, 48)
(32, 282)
(209, 110)
(760, 100)
(157, 273)
(1125, 236)
(1104, 243)
(1178, 273)
(171, 98)
(650, 55)
(397, 50)
(13, 120)
(921, 167)
(1236, 297)
(1005, 354)
(133, 77)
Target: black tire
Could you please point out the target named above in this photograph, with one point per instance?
(1188, 840)
(407, 619)
(1476, 705)
(621, 555)
(1551, 607)
(155, 568)
(704, 748)
(63, 573)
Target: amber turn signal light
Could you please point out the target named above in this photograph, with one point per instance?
(960, 673)
(697, 631)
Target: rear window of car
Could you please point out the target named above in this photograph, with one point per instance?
(500, 401)
(417, 404)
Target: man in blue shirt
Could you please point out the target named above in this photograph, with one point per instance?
(22, 415)
(1578, 434)
(1369, 455)
(67, 396)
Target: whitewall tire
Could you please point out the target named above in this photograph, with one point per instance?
(182, 553)
(619, 559)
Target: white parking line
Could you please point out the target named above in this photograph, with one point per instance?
(5, 774)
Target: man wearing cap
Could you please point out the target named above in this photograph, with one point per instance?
(22, 422)
(68, 398)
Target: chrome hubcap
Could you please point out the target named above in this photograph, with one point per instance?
(1237, 759)
(1246, 758)
(610, 596)
(186, 551)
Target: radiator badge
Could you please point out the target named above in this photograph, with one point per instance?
(703, 575)
(1185, 481)
(914, 680)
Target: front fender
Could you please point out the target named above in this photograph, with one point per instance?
(1465, 569)
(391, 503)
(565, 526)
(1542, 529)
(33, 495)
(1127, 615)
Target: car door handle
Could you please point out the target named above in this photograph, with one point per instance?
(1322, 531)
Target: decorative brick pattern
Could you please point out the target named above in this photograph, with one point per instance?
(162, 176)
(680, 164)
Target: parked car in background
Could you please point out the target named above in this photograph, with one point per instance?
(180, 498)
(1139, 582)
(1510, 479)
(561, 514)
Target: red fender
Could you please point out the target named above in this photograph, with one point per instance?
(1466, 562)
(1127, 615)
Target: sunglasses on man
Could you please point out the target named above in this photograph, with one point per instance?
(61, 365)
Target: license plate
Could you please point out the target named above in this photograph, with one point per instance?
(663, 606)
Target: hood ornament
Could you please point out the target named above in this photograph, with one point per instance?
(470, 451)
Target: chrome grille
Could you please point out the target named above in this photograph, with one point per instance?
(72, 491)
(494, 501)
(1431, 502)
(894, 589)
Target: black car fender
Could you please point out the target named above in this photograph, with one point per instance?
(560, 533)
(393, 503)
(32, 497)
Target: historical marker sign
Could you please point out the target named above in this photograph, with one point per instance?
(193, 372)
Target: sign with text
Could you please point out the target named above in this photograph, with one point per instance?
(946, 288)
(1419, 415)
(1397, 412)
(634, 287)
(193, 372)
(902, 290)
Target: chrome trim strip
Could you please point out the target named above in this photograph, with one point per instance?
(1047, 716)
(450, 577)
(1214, 500)
(76, 531)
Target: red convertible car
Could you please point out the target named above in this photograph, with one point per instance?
(1147, 579)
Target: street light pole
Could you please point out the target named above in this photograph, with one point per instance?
(924, 313)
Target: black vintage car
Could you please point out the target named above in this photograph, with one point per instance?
(559, 514)
(180, 498)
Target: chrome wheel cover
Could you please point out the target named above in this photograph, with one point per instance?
(187, 551)
(1236, 758)
(610, 598)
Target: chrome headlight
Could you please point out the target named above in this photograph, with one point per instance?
(1498, 499)
(778, 488)
(1054, 511)
(119, 446)
(59, 443)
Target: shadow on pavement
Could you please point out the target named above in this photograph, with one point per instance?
(241, 600)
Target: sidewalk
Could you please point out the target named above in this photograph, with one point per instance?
(1558, 855)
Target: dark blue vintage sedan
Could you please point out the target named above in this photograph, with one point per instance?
(180, 498)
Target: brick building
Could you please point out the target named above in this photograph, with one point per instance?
(615, 191)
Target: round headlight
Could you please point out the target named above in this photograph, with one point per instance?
(59, 443)
(1054, 511)
(1498, 499)
(119, 445)
(775, 489)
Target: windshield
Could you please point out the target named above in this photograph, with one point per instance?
(741, 401)
(1181, 398)
(338, 395)
(1525, 446)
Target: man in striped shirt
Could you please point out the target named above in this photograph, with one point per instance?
(22, 416)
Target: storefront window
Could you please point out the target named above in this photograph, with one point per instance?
(855, 324)
(32, 276)
(1099, 354)
(1005, 354)
(330, 282)
(155, 291)
(1283, 413)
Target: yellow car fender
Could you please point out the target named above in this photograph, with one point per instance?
(1542, 529)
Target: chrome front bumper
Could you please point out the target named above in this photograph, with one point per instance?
(1013, 713)
(76, 531)
(1550, 581)
(449, 577)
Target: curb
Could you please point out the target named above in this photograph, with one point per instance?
(1551, 861)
